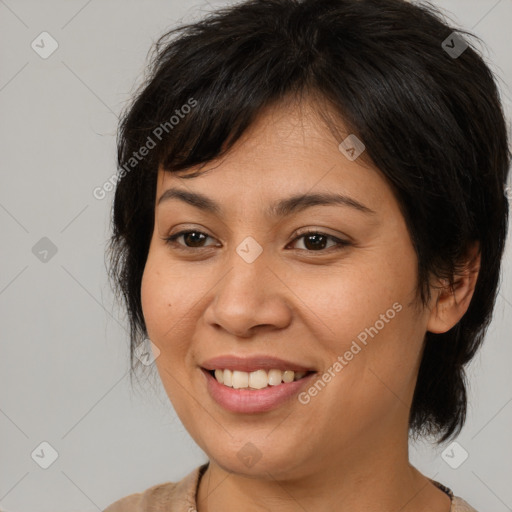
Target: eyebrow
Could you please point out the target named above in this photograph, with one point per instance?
(281, 208)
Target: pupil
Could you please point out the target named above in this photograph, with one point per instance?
(315, 245)
(189, 235)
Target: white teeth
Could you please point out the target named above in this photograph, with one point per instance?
(227, 378)
(219, 375)
(275, 377)
(240, 379)
(288, 376)
(258, 379)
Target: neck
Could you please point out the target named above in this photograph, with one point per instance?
(366, 476)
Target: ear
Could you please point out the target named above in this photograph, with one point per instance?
(451, 304)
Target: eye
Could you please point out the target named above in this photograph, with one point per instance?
(195, 241)
(314, 241)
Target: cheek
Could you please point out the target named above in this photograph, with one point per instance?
(366, 317)
(162, 300)
(170, 299)
(152, 297)
(162, 308)
(345, 302)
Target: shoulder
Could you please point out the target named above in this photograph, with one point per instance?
(129, 503)
(459, 505)
(154, 498)
(162, 497)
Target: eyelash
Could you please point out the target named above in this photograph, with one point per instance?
(171, 240)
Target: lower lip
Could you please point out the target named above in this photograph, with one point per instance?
(253, 400)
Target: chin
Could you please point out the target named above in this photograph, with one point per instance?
(247, 460)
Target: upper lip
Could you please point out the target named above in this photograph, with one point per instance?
(251, 364)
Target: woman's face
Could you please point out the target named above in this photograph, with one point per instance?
(247, 282)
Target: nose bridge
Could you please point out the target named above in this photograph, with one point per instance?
(244, 283)
(248, 294)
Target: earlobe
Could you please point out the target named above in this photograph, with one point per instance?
(452, 303)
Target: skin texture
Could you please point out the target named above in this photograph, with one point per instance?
(347, 449)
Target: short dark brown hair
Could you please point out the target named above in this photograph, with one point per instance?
(431, 121)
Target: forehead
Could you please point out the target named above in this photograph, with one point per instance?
(288, 150)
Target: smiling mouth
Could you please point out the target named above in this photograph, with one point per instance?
(258, 379)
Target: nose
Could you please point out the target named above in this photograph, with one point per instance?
(251, 296)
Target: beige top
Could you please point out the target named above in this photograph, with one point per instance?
(181, 497)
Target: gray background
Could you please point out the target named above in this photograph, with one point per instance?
(64, 343)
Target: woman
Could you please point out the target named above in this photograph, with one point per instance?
(308, 225)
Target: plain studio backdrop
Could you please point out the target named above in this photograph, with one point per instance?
(65, 389)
